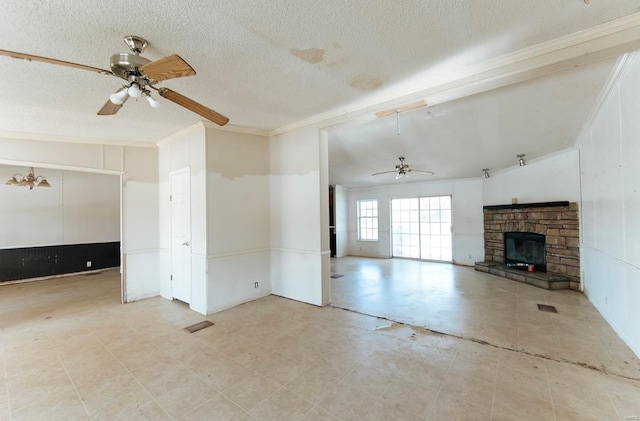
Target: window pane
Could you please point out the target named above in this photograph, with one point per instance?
(368, 220)
(445, 202)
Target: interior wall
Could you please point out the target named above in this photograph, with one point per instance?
(341, 206)
(139, 202)
(140, 222)
(238, 259)
(468, 229)
(555, 177)
(610, 181)
(78, 208)
(186, 150)
(300, 264)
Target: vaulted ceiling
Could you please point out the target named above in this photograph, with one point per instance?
(270, 64)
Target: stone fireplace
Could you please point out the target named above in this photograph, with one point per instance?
(542, 235)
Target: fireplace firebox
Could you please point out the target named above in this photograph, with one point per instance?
(522, 249)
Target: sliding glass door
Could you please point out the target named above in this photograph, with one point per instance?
(421, 228)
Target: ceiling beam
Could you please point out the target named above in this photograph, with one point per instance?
(578, 49)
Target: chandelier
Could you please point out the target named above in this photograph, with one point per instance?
(30, 180)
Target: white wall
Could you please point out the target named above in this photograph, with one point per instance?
(300, 261)
(555, 177)
(341, 207)
(78, 208)
(139, 202)
(237, 218)
(468, 228)
(610, 181)
(186, 150)
(140, 223)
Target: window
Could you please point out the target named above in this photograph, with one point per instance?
(368, 220)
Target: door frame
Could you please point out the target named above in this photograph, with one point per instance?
(186, 170)
(391, 199)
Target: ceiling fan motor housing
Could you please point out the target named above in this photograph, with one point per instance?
(124, 65)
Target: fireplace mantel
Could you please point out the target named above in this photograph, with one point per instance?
(528, 205)
(557, 221)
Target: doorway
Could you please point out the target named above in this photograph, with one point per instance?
(421, 228)
(181, 235)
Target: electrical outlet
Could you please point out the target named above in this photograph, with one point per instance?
(256, 285)
(88, 263)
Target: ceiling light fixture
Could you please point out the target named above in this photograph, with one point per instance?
(521, 160)
(402, 173)
(134, 90)
(486, 172)
(119, 97)
(30, 180)
(152, 101)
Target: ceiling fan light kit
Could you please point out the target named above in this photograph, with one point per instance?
(402, 170)
(141, 75)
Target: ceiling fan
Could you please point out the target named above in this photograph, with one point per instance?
(403, 170)
(141, 76)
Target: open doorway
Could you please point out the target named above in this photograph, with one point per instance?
(72, 224)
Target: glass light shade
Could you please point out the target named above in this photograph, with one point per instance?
(119, 97)
(152, 101)
(134, 90)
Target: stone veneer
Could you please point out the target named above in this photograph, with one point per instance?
(558, 221)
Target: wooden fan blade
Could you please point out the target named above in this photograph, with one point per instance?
(384, 172)
(192, 105)
(109, 108)
(167, 68)
(30, 57)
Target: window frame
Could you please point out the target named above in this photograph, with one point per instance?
(374, 217)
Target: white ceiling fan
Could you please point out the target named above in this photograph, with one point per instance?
(403, 170)
(141, 76)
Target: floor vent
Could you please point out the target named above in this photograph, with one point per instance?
(198, 326)
(336, 276)
(547, 308)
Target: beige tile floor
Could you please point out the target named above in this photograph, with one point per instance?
(69, 350)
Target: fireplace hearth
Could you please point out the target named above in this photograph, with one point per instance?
(545, 235)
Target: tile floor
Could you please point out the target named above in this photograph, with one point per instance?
(69, 350)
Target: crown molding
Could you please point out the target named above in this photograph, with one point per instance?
(179, 134)
(599, 42)
(208, 125)
(236, 129)
(41, 137)
(612, 83)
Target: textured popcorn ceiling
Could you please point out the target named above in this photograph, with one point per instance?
(266, 64)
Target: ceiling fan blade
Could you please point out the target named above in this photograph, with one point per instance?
(385, 172)
(109, 108)
(167, 68)
(424, 172)
(30, 57)
(194, 106)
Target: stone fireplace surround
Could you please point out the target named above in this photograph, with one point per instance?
(558, 221)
